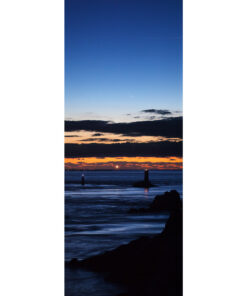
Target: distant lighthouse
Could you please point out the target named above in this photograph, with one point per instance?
(145, 183)
(82, 179)
(146, 178)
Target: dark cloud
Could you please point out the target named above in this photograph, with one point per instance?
(167, 127)
(106, 139)
(87, 140)
(157, 111)
(71, 136)
(97, 134)
(94, 139)
(158, 149)
(117, 140)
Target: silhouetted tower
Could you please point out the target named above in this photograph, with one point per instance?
(146, 178)
(82, 179)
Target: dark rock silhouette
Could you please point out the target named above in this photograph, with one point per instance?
(148, 266)
(169, 201)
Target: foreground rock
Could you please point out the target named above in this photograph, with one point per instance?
(146, 266)
(169, 201)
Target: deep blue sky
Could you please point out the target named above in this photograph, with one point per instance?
(122, 56)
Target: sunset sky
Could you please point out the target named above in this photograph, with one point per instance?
(123, 84)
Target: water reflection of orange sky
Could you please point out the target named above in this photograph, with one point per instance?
(92, 163)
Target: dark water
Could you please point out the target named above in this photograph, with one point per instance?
(96, 219)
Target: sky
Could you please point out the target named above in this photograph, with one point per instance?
(123, 67)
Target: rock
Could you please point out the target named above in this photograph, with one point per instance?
(169, 201)
(146, 266)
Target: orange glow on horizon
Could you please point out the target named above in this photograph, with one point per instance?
(124, 163)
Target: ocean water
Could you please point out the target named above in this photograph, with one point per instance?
(97, 219)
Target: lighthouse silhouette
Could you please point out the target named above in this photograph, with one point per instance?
(146, 178)
(82, 179)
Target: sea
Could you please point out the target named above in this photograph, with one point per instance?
(97, 219)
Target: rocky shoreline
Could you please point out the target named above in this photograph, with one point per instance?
(148, 266)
